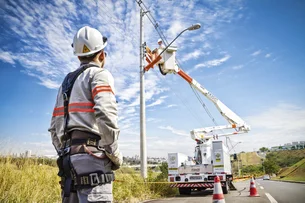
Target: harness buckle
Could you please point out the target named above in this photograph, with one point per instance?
(94, 179)
(64, 151)
(65, 97)
(92, 142)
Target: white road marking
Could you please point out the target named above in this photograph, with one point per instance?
(271, 199)
(262, 187)
(258, 184)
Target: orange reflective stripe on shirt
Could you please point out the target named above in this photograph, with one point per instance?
(82, 104)
(80, 110)
(103, 88)
(75, 107)
(59, 111)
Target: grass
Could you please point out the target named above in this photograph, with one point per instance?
(27, 181)
(294, 173)
(35, 180)
(249, 158)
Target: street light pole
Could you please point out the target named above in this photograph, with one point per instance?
(143, 150)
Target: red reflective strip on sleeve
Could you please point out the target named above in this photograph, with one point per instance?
(82, 104)
(58, 109)
(58, 114)
(99, 89)
(80, 110)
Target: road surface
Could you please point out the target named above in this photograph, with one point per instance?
(283, 192)
(269, 191)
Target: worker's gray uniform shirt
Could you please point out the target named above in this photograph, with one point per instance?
(92, 108)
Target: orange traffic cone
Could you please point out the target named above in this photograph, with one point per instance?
(253, 191)
(217, 194)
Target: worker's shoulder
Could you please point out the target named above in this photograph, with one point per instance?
(101, 73)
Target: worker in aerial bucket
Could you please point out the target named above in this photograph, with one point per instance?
(84, 126)
(160, 42)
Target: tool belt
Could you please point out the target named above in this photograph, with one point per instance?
(80, 142)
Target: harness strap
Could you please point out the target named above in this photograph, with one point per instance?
(67, 87)
(68, 177)
(93, 179)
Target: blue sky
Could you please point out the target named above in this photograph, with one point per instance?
(250, 54)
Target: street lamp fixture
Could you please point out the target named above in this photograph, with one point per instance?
(158, 57)
(194, 27)
(191, 28)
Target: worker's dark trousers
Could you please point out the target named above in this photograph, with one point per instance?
(84, 164)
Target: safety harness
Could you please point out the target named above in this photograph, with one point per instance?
(70, 179)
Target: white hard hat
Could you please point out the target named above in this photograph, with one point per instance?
(88, 41)
(159, 40)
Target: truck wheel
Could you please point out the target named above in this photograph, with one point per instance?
(225, 188)
(185, 191)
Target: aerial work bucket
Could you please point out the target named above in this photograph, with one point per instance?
(168, 62)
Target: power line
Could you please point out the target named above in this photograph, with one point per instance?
(182, 100)
(120, 30)
(203, 105)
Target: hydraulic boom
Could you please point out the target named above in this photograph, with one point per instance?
(167, 64)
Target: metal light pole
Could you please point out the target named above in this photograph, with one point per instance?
(143, 150)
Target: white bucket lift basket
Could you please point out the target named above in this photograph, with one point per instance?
(168, 61)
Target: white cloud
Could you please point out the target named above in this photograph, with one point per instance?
(237, 67)
(256, 53)
(157, 102)
(277, 125)
(212, 63)
(171, 105)
(193, 55)
(174, 131)
(268, 55)
(283, 117)
(7, 57)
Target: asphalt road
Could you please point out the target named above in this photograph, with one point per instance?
(277, 192)
(283, 192)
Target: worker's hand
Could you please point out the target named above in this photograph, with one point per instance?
(113, 153)
(116, 159)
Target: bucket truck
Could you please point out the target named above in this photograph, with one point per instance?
(211, 156)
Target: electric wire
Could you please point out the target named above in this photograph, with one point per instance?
(197, 118)
(203, 105)
(132, 39)
(121, 22)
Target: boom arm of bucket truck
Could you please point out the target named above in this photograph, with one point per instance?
(167, 64)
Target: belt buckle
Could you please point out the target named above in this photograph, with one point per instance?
(94, 179)
(91, 142)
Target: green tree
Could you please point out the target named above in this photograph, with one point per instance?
(271, 166)
(164, 171)
(263, 149)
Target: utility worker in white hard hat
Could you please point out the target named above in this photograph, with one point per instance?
(84, 126)
(160, 42)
